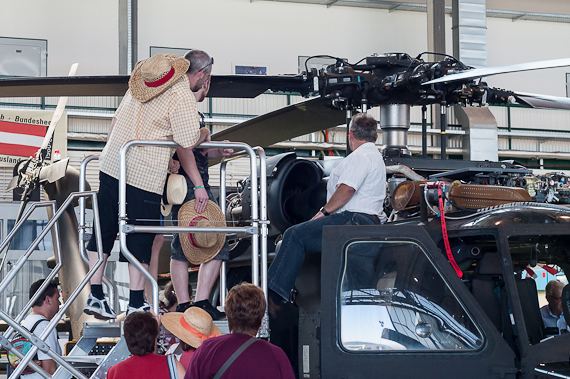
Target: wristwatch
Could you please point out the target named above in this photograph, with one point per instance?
(324, 211)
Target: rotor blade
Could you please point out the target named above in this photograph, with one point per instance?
(543, 101)
(488, 71)
(65, 86)
(285, 123)
(500, 96)
(236, 86)
(54, 171)
(250, 86)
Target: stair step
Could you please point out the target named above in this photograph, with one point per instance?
(101, 329)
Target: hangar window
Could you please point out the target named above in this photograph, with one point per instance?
(393, 298)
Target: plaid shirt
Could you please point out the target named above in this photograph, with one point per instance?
(171, 116)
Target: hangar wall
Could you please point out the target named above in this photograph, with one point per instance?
(269, 33)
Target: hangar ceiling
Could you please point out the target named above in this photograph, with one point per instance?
(516, 10)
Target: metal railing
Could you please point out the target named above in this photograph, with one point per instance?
(38, 342)
(111, 287)
(125, 228)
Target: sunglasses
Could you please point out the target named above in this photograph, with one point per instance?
(202, 121)
(207, 65)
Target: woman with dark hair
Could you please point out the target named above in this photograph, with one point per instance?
(140, 331)
(245, 307)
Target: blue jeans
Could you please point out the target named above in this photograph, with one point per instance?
(301, 239)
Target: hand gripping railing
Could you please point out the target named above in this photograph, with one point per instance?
(111, 287)
(39, 342)
(124, 228)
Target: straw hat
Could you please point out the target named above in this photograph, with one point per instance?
(165, 209)
(201, 247)
(194, 326)
(154, 75)
(176, 189)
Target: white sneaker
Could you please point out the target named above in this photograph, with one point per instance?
(143, 308)
(99, 308)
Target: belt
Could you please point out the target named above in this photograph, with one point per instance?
(376, 218)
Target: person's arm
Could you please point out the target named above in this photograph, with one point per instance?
(214, 153)
(49, 366)
(181, 370)
(113, 121)
(188, 162)
(339, 198)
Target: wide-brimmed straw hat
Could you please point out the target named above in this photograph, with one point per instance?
(201, 247)
(154, 75)
(194, 326)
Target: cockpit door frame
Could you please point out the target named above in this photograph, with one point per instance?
(494, 359)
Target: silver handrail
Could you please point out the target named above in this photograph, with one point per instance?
(124, 228)
(264, 227)
(39, 342)
(111, 287)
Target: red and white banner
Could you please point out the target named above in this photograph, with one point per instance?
(22, 140)
(23, 131)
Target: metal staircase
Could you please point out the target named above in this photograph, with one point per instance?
(82, 355)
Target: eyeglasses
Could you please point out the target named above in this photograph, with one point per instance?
(207, 65)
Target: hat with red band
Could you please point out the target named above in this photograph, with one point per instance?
(154, 75)
(194, 326)
(201, 247)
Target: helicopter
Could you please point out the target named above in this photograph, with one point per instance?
(441, 285)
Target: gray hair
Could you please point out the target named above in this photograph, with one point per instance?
(552, 286)
(364, 127)
(199, 60)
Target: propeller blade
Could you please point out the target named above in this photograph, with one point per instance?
(292, 121)
(13, 183)
(489, 71)
(54, 171)
(58, 112)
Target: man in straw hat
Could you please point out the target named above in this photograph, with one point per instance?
(195, 170)
(192, 327)
(159, 105)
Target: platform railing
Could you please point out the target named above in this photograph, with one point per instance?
(83, 238)
(125, 228)
(38, 342)
(263, 222)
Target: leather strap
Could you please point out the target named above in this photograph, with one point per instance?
(234, 356)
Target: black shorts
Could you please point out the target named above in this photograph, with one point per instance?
(142, 207)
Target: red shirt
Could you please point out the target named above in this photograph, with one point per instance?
(260, 360)
(150, 366)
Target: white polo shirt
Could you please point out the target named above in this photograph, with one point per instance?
(363, 170)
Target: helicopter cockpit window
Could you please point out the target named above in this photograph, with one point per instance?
(539, 260)
(393, 298)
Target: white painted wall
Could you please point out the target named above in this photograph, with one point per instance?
(83, 31)
(268, 33)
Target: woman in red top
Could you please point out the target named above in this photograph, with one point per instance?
(140, 331)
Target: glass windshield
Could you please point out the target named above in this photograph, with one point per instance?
(393, 298)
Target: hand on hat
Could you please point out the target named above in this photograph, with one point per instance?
(201, 199)
(173, 166)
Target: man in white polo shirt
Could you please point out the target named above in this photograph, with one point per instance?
(355, 196)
